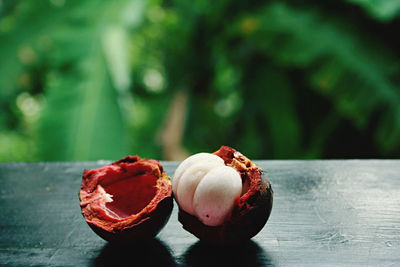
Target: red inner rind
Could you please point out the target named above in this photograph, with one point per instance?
(136, 187)
(142, 187)
(249, 172)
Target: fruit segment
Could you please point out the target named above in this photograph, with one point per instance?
(206, 158)
(206, 188)
(216, 194)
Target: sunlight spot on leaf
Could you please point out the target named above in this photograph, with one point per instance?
(29, 106)
(153, 80)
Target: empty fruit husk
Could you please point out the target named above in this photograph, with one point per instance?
(128, 200)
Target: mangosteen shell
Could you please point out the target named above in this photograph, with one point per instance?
(149, 225)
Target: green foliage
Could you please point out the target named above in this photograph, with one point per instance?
(85, 83)
(339, 63)
(88, 80)
(384, 10)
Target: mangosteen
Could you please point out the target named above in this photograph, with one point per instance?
(223, 197)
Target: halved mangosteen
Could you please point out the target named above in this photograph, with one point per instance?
(223, 197)
(128, 200)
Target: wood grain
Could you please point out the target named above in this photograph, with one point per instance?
(326, 213)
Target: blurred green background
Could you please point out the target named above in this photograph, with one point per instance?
(90, 79)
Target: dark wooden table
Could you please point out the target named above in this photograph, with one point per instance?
(335, 213)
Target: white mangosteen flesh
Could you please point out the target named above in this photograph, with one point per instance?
(204, 187)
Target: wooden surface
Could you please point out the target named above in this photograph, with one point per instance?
(326, 213)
